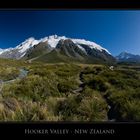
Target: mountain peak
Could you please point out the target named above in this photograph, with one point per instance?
(124, 52)
(126, 56)
(53, 36)
(30, 39)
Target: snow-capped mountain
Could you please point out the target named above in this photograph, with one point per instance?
(128, 57)
(4, 50)
(20, 50)
(124, 55)
(80, 45)
(1, 50)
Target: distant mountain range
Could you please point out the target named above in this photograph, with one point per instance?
(59, 49)
(128, 57)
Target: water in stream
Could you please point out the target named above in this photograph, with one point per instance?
(23, 73)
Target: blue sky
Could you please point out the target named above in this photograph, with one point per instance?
(116, 31)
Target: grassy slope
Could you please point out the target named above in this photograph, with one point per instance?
(57, 57)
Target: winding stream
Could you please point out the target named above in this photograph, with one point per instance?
(78, 90)
(23, 73)
(111, 114)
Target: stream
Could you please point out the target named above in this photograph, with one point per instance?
(111, 114)
(78, 90)
(23, 73)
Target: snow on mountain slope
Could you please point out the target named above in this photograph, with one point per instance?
(53, 40)
(125, 56)
(90, 44)
(5, 50)
(27, 44)
(20, 50)
(1, 51)
(81, 48)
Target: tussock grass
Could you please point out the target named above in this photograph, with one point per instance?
(47, 92)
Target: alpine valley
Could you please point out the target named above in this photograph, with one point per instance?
(65, 79)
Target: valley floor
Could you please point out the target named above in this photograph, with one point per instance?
(68, 92)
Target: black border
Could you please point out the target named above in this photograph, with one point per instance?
(70, 4)
(25, 129)
(17, 129)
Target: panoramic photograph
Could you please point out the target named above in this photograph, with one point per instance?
(66, 65)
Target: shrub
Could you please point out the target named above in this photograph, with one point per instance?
(67, 108)
(131, 111)
(91, 109)
(98, 84)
